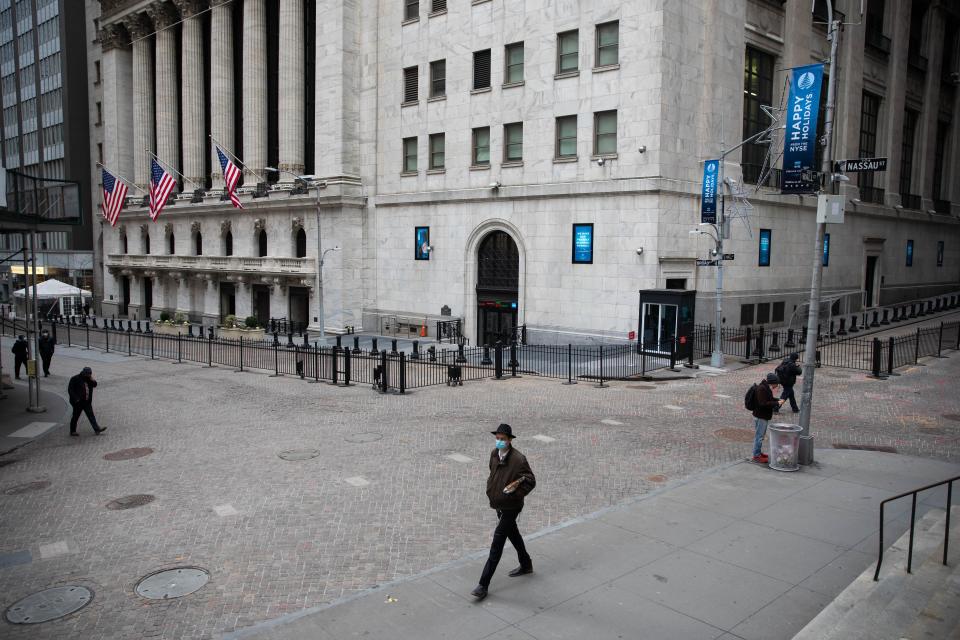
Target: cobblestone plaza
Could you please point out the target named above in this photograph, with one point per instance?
(395, 487)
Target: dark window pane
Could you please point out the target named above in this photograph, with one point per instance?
(481, 69)
(410, 93)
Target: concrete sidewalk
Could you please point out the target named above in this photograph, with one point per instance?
(737, 552)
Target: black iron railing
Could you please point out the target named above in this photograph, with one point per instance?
(450, 331)
(913, 517)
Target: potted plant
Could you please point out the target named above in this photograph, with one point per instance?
(233, 329)
(166, 326)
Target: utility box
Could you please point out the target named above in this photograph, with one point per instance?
(830, 208)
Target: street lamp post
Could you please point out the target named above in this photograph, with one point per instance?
(320, 253)
(716, 358)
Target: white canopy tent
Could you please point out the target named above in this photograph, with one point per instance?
(52, 288)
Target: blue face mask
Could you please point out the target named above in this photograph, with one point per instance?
(502, 444)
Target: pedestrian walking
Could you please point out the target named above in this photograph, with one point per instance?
(761, 400)
(46, 348)
(510, 480)
(80, 389)
(787, 373)
(21, 352)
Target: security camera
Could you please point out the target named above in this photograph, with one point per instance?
(600, 161)
(639, 251)
(495, 185)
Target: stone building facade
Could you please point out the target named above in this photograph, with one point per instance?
(459, 147)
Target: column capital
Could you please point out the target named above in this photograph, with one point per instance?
(139, 25)
(114, 36)
(163, 14)
(190, 8)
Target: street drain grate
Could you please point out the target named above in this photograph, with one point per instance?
(49, 604)
(172, 583)
(26, 488)
(952, 416)
(735, 435)
(128, 454)
(130, 502)
(299, 454)
(865, 447)
(370, 436)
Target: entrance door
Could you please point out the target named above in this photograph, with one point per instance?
(299, 306)
(498, 282)
(228, 300)
(147, 296)
(261, 305)
(659, 326)
(871, 276)
(124, 296)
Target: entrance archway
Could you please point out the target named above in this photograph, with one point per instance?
(498, 284)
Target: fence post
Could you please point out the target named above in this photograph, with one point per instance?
(55, 334)
(940, 342)
(891, 346)
(673, 354)
(316, 363)
(129, 346)
(416, 350)
(957, 348)
(643, 357)
(486, 356)
(513, 360)
(210, 350)
(334, 355)
(356, 345)
(601, 385)
(151, 344)
(373, 347)
(385, 378)
(346, 367)
(241, 354)
(875, 368)
(403, 372)
(179, 359)
(393, 348)
(106, 337)
(916, 350)
(570, 379)
(746, 355)
(498, 362)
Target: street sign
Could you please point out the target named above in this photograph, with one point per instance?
(728, 256)
(706, 263)
(861, 165)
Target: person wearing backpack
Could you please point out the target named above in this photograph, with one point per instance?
(787, 373)
(761, 400)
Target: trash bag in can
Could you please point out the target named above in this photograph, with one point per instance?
(784, 446)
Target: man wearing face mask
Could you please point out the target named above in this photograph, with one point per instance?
(510, 480)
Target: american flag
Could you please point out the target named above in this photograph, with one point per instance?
(231, 174)
(114, 193)
(161, 184)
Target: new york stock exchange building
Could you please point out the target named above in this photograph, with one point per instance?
(506, 164)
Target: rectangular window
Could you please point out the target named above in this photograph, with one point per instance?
(778, 311)
(411, 9)
(437, 147)
(583, 243)
(939, 253)
(764, 248)
(96, 69)
(421, 237)
(438, 6)
(438, 78)
(826, 249)
(910, 118)
(909, 253)
(410, 89)
(608, 44)
(567, 137)
(481, 69)
(746, 315)
(763, 313)
(481, 146)
(939, 154)
(410, 155)
(513, 142)
(869, 116)
(568, 51)
(605, 133)
(513, 63)
(99, 113)
(757, 91)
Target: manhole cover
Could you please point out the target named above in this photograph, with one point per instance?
(952, 416)
(129, 454)
(735, 435)
(642, 387)
(49, 604)
(299, 454)
(26, 488)
(172, 583)
(865, 447)
(130, 502)
(370, 436)
(657, 478)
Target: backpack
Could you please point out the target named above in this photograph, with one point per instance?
(750, 399)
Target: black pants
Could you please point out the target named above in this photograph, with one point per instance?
(788, 393)
(506, 528)
(46, 363)
(19, 360)
(83, 408)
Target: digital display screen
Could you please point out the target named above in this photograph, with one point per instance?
(826, 250)
(764, 247)
(909, 253)
(940, 253)
(583, 243)
(422, 239)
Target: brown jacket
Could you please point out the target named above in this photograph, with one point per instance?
(766, 401)
(513, 467)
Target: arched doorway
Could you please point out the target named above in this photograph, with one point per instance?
(498, 283)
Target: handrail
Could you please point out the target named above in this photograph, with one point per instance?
(913, 516)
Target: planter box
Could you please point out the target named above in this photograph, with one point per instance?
(170, 329)
(236, 334)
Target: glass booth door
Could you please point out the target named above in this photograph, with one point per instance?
(659, 326)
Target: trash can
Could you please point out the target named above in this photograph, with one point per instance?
(784, 446)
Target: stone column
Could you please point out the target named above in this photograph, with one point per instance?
(338, 88)
(161, 301)
(243, 299)
(194, 136)
(221, 80)
(926, 143)
(291, 87)
(168, 124)
(279, 304)
(211, 300)
(896, 92)
(254, 89)
(951, 184)
(135, 304)
(183, 292)
(849, 97)
(140, 28)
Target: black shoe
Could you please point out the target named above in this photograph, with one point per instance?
(74, 434)
(479, 592)
(520, 571)
(100, 430)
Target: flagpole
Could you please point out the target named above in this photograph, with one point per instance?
(121, 178)
(238, 160)
(171, 169)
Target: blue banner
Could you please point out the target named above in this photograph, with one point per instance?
(800, 137)
(708, 196)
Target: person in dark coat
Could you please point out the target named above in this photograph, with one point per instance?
(46, 349)
(767, 403)
(80, 389)
(510, 480)
(787, 373)
(21, 352)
